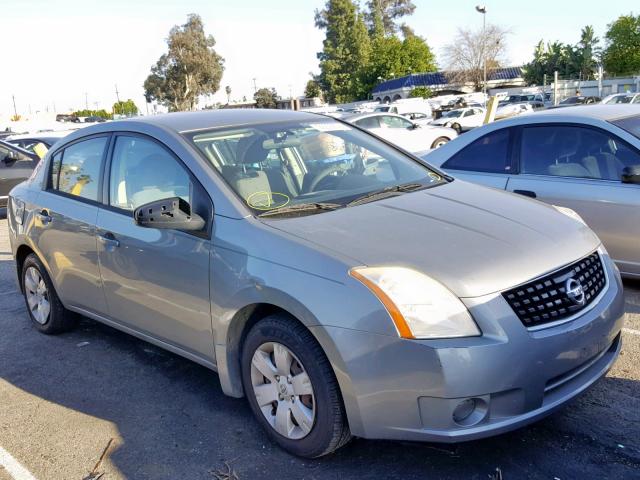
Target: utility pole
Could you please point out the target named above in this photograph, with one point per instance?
(483, 10)
(255, 86)
(86, 100)
(117, 93)
(15, 111)
(555, 87)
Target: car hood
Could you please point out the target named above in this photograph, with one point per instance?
(474, 240)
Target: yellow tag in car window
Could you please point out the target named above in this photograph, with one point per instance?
(40, 149)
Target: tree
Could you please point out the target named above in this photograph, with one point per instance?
(470, 49)
(190, 68)
(265, 98)
(127, 108)
(622, 53)
(392, 57)
(386, 13)
(345, 53)
(312, 89)
(586, 53)
(227, 90)
(421, 92)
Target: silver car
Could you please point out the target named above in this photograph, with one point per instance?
(583, 158)
(342, 286)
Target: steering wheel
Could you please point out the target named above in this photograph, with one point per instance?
(322, 175)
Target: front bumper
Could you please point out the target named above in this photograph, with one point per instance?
(409, 389)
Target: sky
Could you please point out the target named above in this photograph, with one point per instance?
(71, 53)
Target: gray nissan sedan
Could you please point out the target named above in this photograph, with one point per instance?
(342, 286)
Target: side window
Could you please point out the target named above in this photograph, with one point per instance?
(369, 122)
(394, 122)
(487, 154)
(468, 113)
(142, 171)
(574, 151)
(12, 158)
(80, 168)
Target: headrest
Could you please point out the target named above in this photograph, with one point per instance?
(250, 149)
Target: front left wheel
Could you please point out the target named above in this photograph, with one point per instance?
(438, 142)
(292, 389)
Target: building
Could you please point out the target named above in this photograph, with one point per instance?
(438, 82)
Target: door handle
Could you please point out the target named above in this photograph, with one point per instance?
(526, 193)
(44, 217)
(109, 241)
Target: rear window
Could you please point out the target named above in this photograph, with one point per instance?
(629, 124)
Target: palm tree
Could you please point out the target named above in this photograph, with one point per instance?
(227, 90)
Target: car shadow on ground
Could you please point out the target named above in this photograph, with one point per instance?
(175, 422)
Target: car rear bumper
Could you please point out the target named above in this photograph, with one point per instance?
(507, 378)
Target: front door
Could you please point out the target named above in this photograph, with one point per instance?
(580, 168)
(156, 281)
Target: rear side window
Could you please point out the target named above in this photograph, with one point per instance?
(80, 169)
(368, 122)
(487, 154)
(55, 170)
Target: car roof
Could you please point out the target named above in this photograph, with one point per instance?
(205, 119)
(358, 116)
(597, 112)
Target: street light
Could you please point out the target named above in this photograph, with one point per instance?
(483, 10)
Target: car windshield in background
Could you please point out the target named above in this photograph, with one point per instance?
(308, 167)
(452, 114)
(630, 124)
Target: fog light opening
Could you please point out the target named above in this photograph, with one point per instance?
(470, 411)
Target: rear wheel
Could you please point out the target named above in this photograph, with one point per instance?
(292, 389)
(438, 142)
(45, 309)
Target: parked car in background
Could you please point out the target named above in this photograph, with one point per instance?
(370, 295)
(16, 165)
(94, 119)
(513, 109)
(462, 119)
(621, 98)
(402, 131)
(584, 158)
(578, 100)
(29, 140)
(406, 106)
(67, 117)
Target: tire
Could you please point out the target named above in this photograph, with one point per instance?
(457, 128)
(36, 285)
(328, 430)
(438, 142)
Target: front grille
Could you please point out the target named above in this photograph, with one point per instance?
(545, 299)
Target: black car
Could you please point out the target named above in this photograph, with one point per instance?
(94, 119)
(16, 165)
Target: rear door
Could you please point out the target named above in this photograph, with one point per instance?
(487, 160)
(156, 281)
(579, 167)
(65, 227)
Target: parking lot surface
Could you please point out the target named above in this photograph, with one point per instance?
(96, 401)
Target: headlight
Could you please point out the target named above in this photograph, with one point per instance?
(17, 208)
(419, 306)
(570, 213)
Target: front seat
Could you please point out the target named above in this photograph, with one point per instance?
(245, 181)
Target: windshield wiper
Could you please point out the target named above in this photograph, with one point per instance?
(386, 192)
(301, 207)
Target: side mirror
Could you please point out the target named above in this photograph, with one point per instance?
(169, 213)
(631, 174)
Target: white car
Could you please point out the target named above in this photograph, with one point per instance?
(512, 110)
(621, 98)
(402, 131)
(461, 119)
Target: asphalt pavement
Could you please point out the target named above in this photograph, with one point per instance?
(96, 401)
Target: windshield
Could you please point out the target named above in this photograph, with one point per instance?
(620, 99)
(382, 109)
(271, 166)
(452, 114)
(630, 124)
